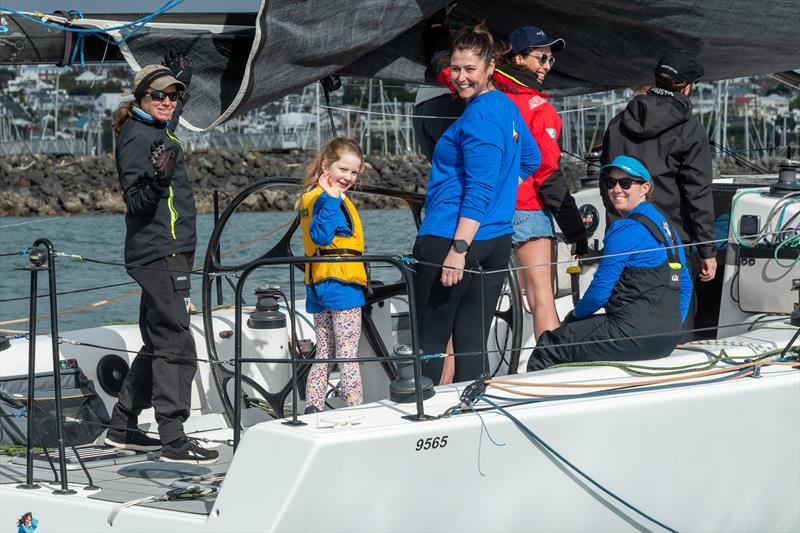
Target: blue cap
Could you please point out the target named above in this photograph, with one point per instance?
(532, 37)
(631, 165)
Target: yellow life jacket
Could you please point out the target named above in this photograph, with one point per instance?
(346, 246)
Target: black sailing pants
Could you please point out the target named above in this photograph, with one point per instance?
(590, 339)
(464, 310)
(164, 383)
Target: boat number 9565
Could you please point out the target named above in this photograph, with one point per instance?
(431, 443)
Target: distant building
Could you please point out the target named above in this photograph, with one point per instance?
(109, 102)
(89, 77)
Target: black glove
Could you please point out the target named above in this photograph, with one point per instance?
(180, 66)
(569, 318)
(581, 247)
(163, 160)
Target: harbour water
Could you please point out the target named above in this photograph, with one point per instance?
(387, 231)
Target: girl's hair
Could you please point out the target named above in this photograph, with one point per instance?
(479, 40)
(121, 116)
(21, 519)
(330, 154)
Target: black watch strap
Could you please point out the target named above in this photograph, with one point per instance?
(460, 246)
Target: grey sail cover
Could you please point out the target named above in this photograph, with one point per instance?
(610, 44)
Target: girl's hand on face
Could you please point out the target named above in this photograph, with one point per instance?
(329, 186)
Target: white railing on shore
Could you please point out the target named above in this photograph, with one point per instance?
(43, 146)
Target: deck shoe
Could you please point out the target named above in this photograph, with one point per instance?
(310, 410)
(131, 440)
(184, 450)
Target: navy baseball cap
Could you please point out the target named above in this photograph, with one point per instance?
(680, 67)
(630, 165)
(532, 37)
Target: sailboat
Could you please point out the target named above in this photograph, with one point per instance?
(705, 439)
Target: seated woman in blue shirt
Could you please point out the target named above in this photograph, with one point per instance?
(642, 282)
(469, 205)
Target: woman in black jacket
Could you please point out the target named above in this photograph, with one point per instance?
(159, 249)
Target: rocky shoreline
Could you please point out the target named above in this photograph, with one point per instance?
(57, 185)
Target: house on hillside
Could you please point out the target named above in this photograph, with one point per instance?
(109, 102)
(89, 77)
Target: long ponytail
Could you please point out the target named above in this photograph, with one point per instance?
(121, 116)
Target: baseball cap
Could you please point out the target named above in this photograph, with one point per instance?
(531, 37)
(155, 77)
(680, 67)
(631, 165)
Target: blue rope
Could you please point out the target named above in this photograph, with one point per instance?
(531, 435)
(99, 33)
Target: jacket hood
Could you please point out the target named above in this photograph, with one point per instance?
(649, 115)
(516, 80)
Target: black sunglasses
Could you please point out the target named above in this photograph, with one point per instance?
(544, 59)
(625, 183)
(161, 95)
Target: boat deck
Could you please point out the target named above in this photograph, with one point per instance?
(129, 480)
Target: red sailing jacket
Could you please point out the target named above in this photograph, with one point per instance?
(545, 126)
(546, 188)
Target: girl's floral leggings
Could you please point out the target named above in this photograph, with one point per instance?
(337, 337)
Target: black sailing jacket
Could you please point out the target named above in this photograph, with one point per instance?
(658, 128)
(160, 220)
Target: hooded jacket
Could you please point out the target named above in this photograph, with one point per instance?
(547, 188)
(658, 128)
(160, 220)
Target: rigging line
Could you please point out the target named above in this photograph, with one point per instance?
(75, 291)
(740, 159)
(570, 261)
(196, 269)
(671, 379)
(405, 115)
(591, 163)
(516, 401)
(601, 341)
(32, 222)
(136, 291)
(538, 440)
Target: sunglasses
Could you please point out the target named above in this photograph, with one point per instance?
(545, 59)
(625, 183)
(161, 95)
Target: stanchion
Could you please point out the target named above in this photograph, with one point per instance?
(37, 258)
(54, 338)
(295, 396)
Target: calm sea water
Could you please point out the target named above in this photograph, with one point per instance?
(389, 231)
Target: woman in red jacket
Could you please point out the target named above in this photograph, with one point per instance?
(544, 195)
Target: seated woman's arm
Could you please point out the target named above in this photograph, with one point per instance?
(621, 238)
(686, 279)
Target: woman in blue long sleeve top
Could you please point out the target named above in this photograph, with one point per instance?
(642, 282)
(468, 210)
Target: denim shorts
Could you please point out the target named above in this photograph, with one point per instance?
(532, 224)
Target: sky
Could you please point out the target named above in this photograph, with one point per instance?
(125, 6)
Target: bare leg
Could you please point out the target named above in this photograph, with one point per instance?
(449, 369)
(536, 255)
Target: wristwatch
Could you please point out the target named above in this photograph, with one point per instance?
(460, 246)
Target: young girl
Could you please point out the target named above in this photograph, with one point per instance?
(334, 291)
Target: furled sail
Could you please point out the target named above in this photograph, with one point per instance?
(610, 44)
